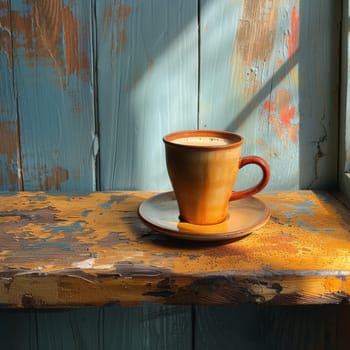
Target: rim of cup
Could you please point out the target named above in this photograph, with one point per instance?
(236, 139)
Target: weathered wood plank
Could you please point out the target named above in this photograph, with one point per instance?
(113, 327)
(261, 327)
(344, 129)
(259, 73)
(69, 329)
(147, 86)
(18, 329)
(52, 49)
(9, 141)
(150, 327)
(63, 250)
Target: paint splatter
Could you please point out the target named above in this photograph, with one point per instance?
(282, 116)
(293, 35)
(43, 30)
(118, 15)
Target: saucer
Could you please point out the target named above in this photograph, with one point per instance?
(161, 213)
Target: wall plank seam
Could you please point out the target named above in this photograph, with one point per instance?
(96, 146)
(198, 60)
(15, 92)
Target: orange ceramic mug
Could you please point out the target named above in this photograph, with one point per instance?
(203, 167)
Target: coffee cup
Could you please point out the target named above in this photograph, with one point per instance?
(203, 167)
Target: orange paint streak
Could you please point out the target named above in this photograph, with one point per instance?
(286, 112)
(293, 37)
(57, 177)
(269, 106)
(71, 42)
(123, 12)
(8, 148)
(286, 115)
(293, 132)
(260, 142)
(118, 16)
(122, 40)
(5, 31)
(255, 38)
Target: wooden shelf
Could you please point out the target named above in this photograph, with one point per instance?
(81, 250)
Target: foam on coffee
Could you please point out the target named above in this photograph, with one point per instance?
(203, 141)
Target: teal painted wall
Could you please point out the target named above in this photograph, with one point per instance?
(87, 90)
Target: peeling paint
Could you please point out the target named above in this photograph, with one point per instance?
(54, 181)
(255, 38)
(293, 35)
(280, 114)
(41, 31)
(5, 31)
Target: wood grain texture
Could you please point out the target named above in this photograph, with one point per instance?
(344, 130)
(147, 79)
(252, 327)
(113, 327)
(9, 141)
(259, 70)
(52, 49)
(63, 250)
(18, 329)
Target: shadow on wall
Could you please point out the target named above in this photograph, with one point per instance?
(148, 77)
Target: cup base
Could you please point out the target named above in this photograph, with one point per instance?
(182, 219)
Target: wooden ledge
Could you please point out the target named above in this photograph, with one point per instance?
(68, 251)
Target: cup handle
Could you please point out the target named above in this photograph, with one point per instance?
(255, 189)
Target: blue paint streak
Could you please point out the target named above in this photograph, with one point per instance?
(312, 229)
(120, 198)
(106, 205)
(60, 245)
(86, 212)
(114, 199)
(342, 278)
(8, 194)
(304, 208)
(76, 226)
(38, 198)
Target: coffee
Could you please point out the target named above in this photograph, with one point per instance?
(202, 141)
